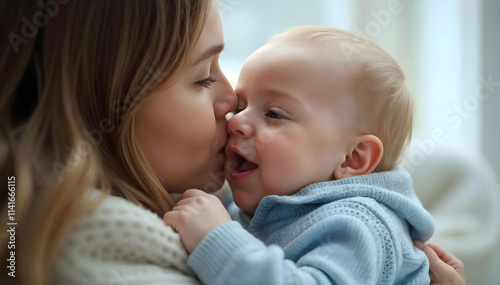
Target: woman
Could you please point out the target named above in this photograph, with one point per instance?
(125, 97)
(130, 99)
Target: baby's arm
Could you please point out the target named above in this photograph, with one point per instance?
(195, 215)
(444, 267)
(228, 254)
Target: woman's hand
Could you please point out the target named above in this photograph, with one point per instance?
(444, 267)
(195, 215)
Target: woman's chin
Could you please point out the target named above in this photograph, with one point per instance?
(214, 181)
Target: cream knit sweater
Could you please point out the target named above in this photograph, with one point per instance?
(121, 243)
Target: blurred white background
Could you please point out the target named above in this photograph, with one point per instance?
(448, 49)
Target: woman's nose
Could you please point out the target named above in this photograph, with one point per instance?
(226, 100)
(240, 125)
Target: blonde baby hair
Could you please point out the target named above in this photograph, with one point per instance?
(380, 88)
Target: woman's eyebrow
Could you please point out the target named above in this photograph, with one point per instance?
(209, 52)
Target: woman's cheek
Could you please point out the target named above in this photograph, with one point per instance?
(203, 125)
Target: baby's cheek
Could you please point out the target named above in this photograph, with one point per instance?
(282, 178)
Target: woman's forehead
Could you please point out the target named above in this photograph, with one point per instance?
(211, 38)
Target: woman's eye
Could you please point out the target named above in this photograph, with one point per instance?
(274, 115)
(207, 82)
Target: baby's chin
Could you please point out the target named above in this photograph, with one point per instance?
(244, 201)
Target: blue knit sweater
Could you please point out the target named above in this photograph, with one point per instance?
(357, 230)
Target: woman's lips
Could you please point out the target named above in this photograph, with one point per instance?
(222, 152)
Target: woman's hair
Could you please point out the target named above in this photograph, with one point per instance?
(379, 86)
(71, 74)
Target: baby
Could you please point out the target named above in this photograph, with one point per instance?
(322, 119)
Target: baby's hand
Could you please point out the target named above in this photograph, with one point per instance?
(195, 215)
(444, 267)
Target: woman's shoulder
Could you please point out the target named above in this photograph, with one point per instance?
(119, 239)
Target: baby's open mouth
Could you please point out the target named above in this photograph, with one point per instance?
(241, 164)
(238, 167)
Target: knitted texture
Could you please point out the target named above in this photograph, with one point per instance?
(357, 230)
(121, 243)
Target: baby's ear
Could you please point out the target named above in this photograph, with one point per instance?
(364, 156)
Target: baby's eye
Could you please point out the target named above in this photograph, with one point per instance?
(274, 115)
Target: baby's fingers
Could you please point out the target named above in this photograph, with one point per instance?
(191, 193)
(172, 218)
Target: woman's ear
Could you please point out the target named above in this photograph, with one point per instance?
(364, 156)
